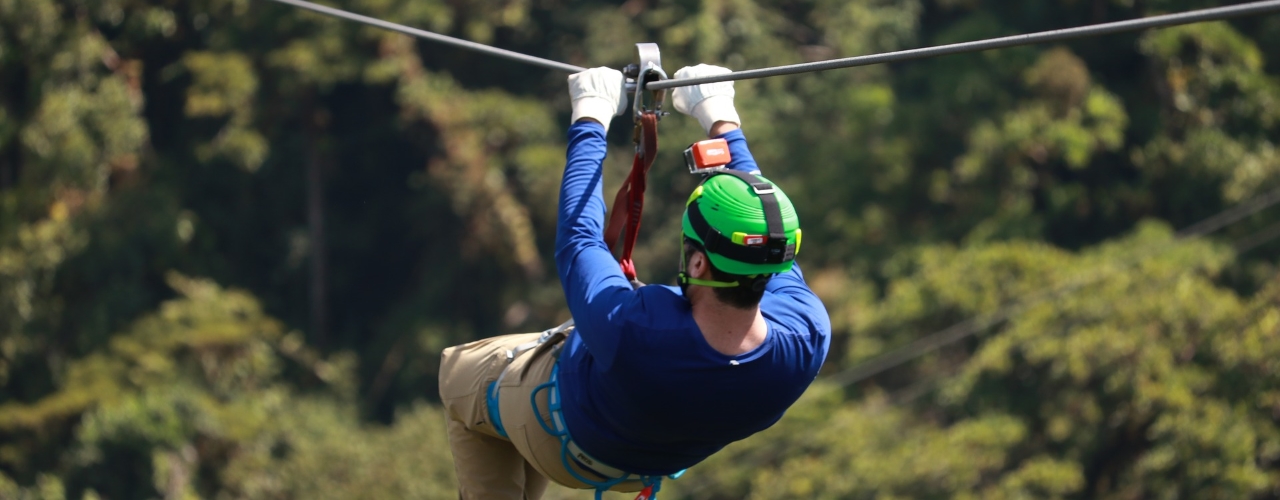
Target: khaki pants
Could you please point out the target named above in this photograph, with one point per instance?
(490, 466)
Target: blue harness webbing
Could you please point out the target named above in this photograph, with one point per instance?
(558, 429)
(491, 401)
(491, 393)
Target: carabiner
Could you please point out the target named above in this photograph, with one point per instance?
(638, 75)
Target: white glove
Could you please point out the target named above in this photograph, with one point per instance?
(597, 93)
(708, 102)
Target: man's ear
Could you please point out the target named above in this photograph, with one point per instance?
(699, 266)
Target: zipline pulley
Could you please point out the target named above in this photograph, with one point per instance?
(647, 110)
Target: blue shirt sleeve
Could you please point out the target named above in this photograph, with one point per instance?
(740, 156)
(594, 286)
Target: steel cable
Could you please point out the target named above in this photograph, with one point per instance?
(909, 394)
(1239, 247)
(971, 326)
(435, 37)
(1195, 16)
(1160, 21)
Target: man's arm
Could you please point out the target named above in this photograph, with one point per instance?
(594, 286)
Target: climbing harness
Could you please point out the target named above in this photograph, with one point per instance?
(491, 392)
(569, 451)
(628, 204)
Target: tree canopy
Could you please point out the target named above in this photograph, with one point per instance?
(235, 237)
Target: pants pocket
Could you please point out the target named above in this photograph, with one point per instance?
(472, 411)
(464, 368)
(465, 375)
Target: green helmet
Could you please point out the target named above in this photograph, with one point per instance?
(729, 215)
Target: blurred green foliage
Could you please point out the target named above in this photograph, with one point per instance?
(1133, 385)
(235, 236)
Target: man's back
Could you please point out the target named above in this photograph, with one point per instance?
(670, 400)
(642, 388)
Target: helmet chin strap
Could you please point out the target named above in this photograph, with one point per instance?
(686, 280)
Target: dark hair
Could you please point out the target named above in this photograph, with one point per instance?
(743, 296)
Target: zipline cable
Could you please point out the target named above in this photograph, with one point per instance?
(1240, 247)
(909, 394)
(1160, 21)
(971, 326)
(435, 37)
(914, 391)
(919, 388)
(1257, 239)
(1195, 16)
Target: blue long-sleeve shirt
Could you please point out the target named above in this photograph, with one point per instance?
(642, 389)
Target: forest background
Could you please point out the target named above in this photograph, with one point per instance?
(235, 236)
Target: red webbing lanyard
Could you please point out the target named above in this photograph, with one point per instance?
(628, 204)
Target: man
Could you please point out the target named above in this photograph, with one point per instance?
(652, 380)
